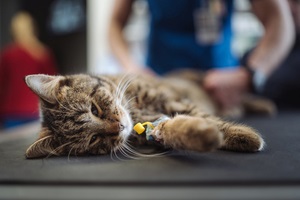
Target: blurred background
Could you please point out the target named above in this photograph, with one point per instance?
(62, 26)
(71, 36)
(76, 31)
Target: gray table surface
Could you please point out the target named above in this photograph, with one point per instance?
(271, 174)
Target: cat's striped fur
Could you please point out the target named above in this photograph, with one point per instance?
(83, 114)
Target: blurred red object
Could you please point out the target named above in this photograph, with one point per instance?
(26, 55)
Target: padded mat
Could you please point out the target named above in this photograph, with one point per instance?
(278, 164)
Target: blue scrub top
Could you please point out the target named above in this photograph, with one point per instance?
(172, 40)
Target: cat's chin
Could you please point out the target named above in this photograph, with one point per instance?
(128, 125)
(125, 133)
(127, 129)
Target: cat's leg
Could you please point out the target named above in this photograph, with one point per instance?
(259, 105)
(239, 137)
(236, 137)
(189, 133)
(206, 134)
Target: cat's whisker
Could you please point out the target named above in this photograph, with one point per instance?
(129, 107)
(126, 85)
(123, 151)
(123, 89)
(111, 155)
(135, 153)
(129, 145)
(131, 153)
(116, 154)
(75, 153)
(55, 151)
(39, 141)
(127, 103)
(120, 85)
(131, 150)
(69, 154)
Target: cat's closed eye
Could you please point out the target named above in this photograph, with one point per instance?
(93, 139)
(94, 110)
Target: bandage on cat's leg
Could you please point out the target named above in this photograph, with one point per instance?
(189, 133)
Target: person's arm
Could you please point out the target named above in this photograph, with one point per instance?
(228, 86)
(119, 46)
(278, 38)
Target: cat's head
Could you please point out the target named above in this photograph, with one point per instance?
(80, 114)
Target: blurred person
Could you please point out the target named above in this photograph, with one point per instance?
(283, 85)
(198, 34)
(25, 55)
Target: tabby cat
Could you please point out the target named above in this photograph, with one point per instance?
(83, 114)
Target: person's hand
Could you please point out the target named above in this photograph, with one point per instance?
(227, 86)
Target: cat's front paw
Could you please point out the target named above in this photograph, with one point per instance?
(189, 133)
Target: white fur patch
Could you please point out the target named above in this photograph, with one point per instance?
(262, 145)
(126, 121)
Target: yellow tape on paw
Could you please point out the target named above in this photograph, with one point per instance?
(139, 128)
(148, 127)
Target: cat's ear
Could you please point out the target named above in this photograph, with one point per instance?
(44, 86)
(44, 146)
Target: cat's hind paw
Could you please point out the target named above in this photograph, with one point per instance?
(243, 139)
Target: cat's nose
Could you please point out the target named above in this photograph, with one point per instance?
(122, 127)
(113, 128)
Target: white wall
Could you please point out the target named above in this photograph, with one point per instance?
(98, 50)
(100, 59)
